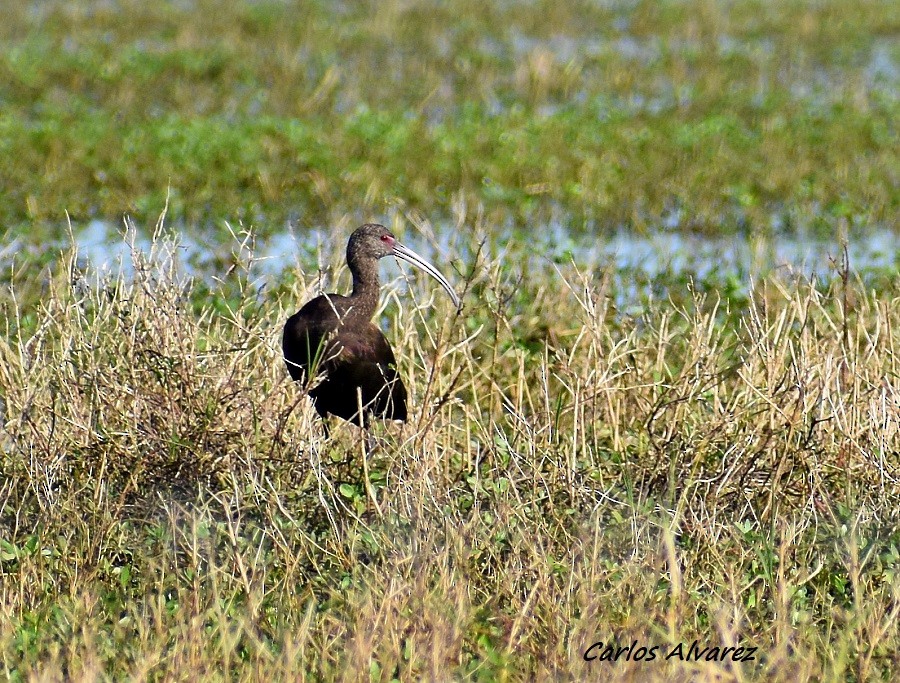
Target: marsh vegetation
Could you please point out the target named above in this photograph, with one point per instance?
(596, 451)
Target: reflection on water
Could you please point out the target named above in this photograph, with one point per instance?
(705, 257)
(736, 260)
(634, 261)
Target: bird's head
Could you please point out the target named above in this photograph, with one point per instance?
(374, 241)
(371, 241)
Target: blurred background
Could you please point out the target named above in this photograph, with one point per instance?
(591, 117)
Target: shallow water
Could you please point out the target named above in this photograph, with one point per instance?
(633, 261)
(703, 257)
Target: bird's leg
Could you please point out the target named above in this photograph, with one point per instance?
(366, 449)
(324, 485)
(364, 443)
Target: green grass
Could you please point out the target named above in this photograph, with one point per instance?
(611, 115)
(592, 456)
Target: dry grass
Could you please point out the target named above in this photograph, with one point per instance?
(571, 475)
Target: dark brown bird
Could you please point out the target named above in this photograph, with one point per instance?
(333, 336)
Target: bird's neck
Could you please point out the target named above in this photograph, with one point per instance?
(364, 298)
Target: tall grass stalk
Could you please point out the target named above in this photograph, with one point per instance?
(170, 509)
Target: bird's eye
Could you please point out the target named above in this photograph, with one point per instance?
(385, 238)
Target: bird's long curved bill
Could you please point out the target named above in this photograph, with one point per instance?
(412, 257)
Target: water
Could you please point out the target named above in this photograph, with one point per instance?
(637, 263)
(704, 257)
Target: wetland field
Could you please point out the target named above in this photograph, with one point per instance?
(659, 441)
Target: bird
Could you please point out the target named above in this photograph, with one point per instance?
(332, 338)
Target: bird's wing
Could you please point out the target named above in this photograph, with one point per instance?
(367, 345)
(361, 360)
(305, 338)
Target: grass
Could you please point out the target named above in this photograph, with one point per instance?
(595, 460)
(742, 115)
(170, 508)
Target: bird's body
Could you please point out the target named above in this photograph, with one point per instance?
(357, 361)
(333, 339)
